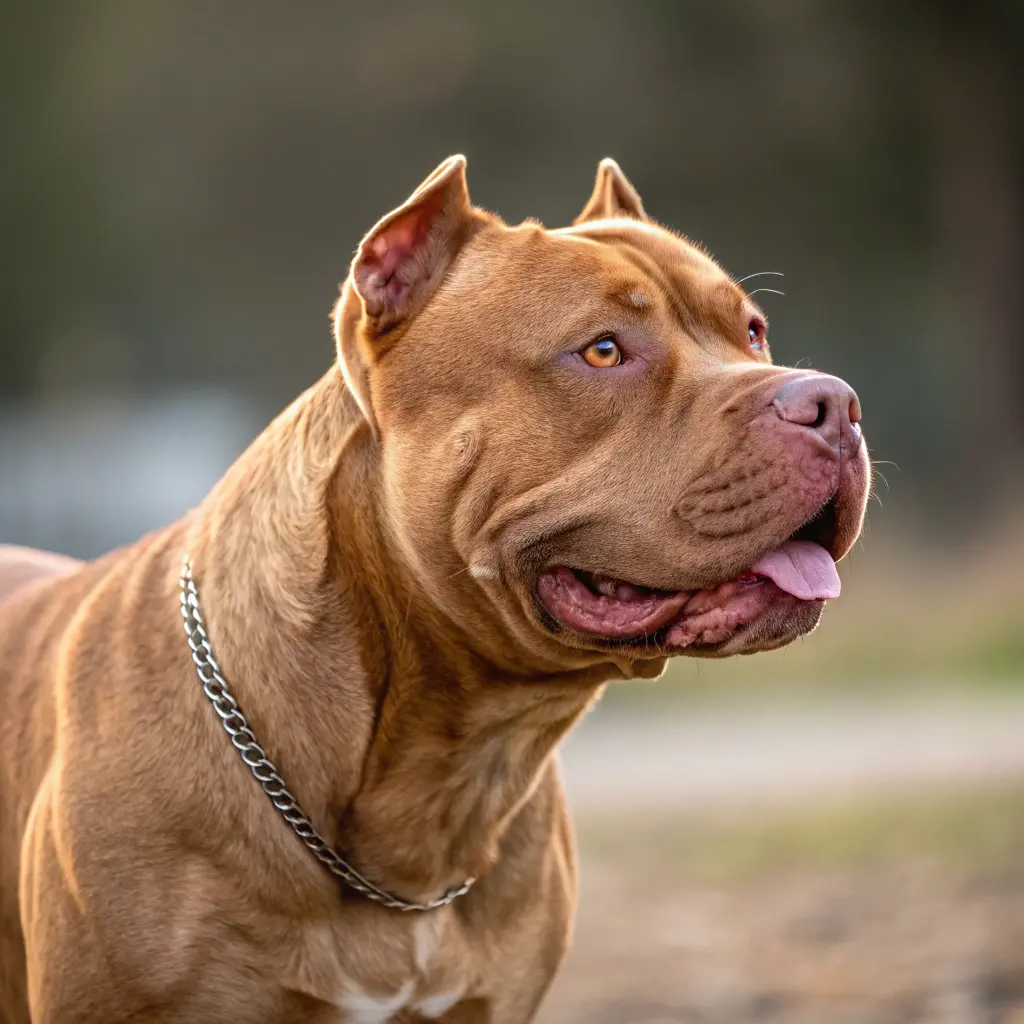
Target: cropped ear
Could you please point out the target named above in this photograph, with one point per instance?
(397, 267)
(404, 257)
(613, 195)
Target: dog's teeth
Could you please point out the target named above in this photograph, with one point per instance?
(606, 586)
(626, 592)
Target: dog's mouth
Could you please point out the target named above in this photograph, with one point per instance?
(799, 572)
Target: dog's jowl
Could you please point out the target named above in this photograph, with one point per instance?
(543, 460)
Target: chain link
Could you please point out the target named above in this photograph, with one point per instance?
(218, 692)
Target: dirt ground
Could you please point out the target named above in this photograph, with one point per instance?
(824, 865)
(893, 946)
(890, 911)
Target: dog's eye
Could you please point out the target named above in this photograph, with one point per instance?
(756, 333)
(603, 353)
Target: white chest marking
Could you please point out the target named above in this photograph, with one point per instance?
(362, 1008)
(438, 1005)
(425, 935)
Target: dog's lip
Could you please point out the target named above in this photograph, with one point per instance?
(566, 595)
(610, 609)
(801, 569)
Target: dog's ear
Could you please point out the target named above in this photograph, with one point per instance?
(613, 195)
(404, 257)
(398, 266)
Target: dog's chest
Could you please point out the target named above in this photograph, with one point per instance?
(416, 964)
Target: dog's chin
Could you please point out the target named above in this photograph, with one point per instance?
(779, 599)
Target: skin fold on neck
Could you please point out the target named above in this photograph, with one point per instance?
(315, 623)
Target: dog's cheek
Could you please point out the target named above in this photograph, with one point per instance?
(464, 448)
(426, 492)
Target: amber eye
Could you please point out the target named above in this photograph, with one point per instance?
(756, 333)
(603, 353)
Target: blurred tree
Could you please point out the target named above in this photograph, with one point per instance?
(184, 184)
(963, 65)
(62, 267)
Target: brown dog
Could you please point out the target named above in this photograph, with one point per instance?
(546, 459)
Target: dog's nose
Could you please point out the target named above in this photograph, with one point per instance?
(824, 404)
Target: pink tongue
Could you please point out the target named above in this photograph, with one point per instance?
(801, 568)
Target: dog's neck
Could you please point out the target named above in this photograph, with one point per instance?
(408, 750)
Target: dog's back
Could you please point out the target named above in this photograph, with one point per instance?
(20, 566)
(20, 569)
(57, 614)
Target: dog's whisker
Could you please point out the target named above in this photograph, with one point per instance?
(774, 291)
(762, 273)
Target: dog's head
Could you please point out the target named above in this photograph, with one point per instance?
(586, 451)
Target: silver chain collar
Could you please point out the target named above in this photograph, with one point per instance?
(216, 688)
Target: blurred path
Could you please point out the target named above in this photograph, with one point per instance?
(691, 757)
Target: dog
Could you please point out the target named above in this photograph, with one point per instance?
(543, 460)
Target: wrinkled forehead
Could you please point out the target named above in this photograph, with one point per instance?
(628, 262)
(675, 268)
(654, 244)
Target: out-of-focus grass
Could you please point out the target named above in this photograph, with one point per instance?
(975, 832)
(909, 616)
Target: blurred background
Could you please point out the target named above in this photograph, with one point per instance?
(832, 832)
